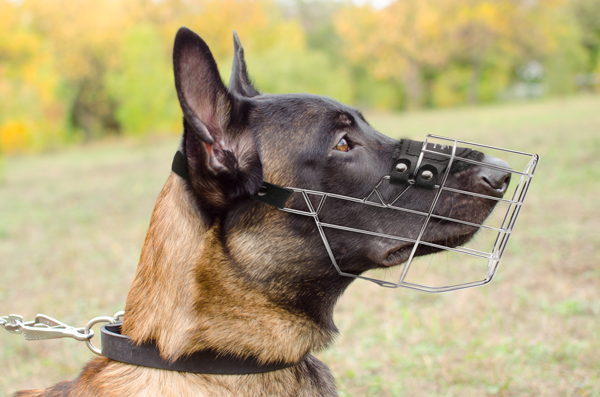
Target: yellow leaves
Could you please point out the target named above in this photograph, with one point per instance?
(258, 22)
(13, 137)
(430, 21)
(78, 32)
(490, 13)
(357, 27)
(74, 67)
(407, 31)
(432, 32)
(445, 52)
(7, 16)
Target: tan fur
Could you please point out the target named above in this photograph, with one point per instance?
(186, 297)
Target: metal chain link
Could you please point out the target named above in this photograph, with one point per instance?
(45, 327)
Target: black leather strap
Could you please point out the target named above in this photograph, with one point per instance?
(121, 348)
(408, 151)
(180, 166)
(270, 194)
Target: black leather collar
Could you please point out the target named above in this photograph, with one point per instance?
(121, 348)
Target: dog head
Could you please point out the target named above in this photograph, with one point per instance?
(216, 258)
(235, 138)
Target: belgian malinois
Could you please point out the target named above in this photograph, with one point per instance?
(222, 272)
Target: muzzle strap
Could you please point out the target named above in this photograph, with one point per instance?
(180, 165)
(273, 195)
(406, 159)
(270, 194)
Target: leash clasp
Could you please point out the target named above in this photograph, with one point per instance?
(43, 327)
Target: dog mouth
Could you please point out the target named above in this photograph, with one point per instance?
(401, 254)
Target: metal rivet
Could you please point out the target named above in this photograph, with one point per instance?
(262, 191)
(401, 167)
(426, 175)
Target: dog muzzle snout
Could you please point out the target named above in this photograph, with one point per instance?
(451, 212)
(422, 163)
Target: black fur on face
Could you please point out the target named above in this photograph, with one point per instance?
(235, 138)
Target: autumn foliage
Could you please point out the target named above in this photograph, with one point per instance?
(76, 70)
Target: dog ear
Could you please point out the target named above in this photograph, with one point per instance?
(223, 163)
(240, 83)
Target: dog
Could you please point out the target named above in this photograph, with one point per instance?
(224, 273)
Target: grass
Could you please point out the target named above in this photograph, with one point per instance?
(72, 225)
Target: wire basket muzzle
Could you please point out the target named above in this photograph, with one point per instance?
(454, 266)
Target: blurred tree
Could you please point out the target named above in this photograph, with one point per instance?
(316, 20)
(566, 58)
(31, 113)
(442, 50)
(587, 13)
(79, 69)
(142, 84)
(403, 42)
(85, 37)
(259, 23)
(278, 56)
(479, 30)
(288, 68)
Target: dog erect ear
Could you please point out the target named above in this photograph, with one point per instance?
(223, 163)
(239, 83)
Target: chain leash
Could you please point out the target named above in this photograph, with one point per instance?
(45, 327)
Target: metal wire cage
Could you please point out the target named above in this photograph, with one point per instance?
(462, 267)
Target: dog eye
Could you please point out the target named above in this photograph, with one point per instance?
(343, 145)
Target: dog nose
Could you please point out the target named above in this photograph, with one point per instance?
(495, 181)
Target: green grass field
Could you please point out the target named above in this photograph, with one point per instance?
(72, 225)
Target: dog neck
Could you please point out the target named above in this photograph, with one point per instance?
(187, 297)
